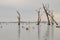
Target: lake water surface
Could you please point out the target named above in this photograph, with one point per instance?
(9, 31)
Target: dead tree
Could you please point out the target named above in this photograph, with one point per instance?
(47, 32)
(18, 24)
(52, 19)
(46, 14)
(38, 23)
(18, 18)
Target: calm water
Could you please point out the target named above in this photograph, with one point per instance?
(9, 31)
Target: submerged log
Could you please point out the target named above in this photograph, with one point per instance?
(27, 28)
(57, 26)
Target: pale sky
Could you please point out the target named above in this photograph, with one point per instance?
(27, 8)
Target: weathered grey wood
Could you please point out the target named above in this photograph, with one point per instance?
(53, 19)
(18, 25)
(46, 14)
(38, 23)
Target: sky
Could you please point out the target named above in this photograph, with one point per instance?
(27, 9)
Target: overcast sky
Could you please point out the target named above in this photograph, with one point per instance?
(27, 9)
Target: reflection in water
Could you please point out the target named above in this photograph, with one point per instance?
(38, 32)
(1, 26)
(18, 32)
(52, 32)
(33, 27)
(47, 33)
(22, 26)
(11, 31)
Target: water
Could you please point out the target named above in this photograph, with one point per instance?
(9, 31)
